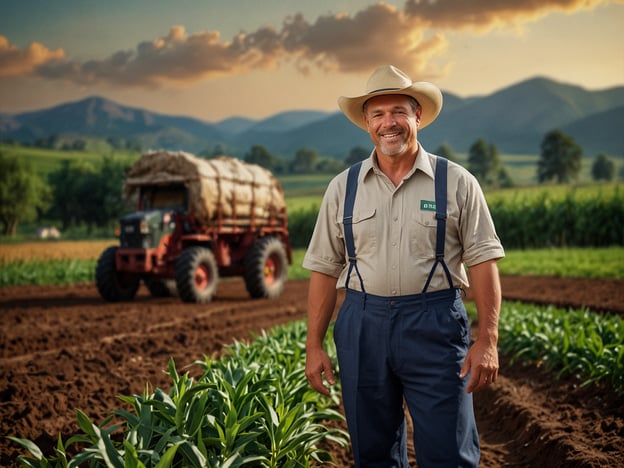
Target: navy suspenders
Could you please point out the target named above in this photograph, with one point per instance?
(347, 220)
(440, 199)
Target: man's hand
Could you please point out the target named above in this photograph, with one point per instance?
(482, 364)
(317, 366)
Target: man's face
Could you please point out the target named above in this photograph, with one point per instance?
(392, 124)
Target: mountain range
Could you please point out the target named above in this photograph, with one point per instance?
(515, 119)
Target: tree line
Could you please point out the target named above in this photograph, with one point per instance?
(81, 193)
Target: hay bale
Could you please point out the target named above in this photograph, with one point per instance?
(236, 189)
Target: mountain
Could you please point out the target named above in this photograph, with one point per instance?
(515, 119)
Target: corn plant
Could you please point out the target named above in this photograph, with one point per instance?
(568, 342)
(253, 407)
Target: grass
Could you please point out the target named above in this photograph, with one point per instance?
(577, 262)
(48, 160)
(572, 262)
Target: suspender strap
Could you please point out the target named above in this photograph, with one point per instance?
(440, 199)
(347, 220)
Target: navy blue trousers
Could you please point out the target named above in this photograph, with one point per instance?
(407, 348)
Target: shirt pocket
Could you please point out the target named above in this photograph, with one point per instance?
(421, 230)
(364, 225)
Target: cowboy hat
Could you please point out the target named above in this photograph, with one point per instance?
(390, 80)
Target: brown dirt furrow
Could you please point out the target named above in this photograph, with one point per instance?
(62, 348)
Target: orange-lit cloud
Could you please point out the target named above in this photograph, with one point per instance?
(347, 43)
(15, 61)
(483, 15)
(378, 34)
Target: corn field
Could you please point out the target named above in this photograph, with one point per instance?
(253, 407)
(595, 220)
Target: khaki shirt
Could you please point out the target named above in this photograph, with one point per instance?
(394, 230)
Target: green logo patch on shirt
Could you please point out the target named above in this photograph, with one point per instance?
(427, 205)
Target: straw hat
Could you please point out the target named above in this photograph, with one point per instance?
(390, 80)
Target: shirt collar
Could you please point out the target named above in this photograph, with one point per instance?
(425, 162)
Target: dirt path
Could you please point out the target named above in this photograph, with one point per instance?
(63, 348)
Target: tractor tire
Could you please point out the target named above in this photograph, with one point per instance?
(266, 268)
(113, 285)
(160, 287)
(196, 275)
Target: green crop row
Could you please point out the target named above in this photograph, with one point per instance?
(530, 219)
(568, 342)
(252, 407)
(62, 271)
(576, 262)
(576, 220)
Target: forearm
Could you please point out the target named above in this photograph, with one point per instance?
(486, 289)
(321, 303)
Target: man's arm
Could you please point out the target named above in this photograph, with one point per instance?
(482, 358)
(321, 303)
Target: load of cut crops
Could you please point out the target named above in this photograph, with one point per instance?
(223, 187)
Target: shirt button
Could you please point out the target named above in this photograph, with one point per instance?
(394, 292)
(394, 267)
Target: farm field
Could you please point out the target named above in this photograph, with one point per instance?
(62, 348)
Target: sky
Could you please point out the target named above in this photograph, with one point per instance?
(216, 59)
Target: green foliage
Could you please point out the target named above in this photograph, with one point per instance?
(607, 262)
(560, 159)
(46, 272)
(577, 262)
(447, 152)
(573, 221)
(305, 161)
(22, 193)
(88, 193)
(259, 155)
(569, 342)
(484, 162)
(253, 407)
(603, 168)
(357, 153)
(301, 225)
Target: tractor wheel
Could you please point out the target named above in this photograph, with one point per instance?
(196, 275)
(160, 287)
(266, 268)
(113, 285)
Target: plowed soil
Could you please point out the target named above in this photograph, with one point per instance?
(62, 347)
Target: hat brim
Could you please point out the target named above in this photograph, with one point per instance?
(427, 94)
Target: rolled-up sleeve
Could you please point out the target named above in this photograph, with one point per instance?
(479, 239)
(326, 251)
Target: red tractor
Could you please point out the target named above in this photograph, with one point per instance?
(198, 220)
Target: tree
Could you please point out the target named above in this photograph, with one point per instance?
(22, 193)
(484, 162)
(305, 161)
(560, 158)
(446, 151)
(87, 193)
(260, 155)
(603, 168)
(330, 166)
(357, 153)
(67, 205)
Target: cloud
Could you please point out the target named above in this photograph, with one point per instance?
(410, 38)
(377, 34)
(14, 61)
(484, 15)
(178, 58)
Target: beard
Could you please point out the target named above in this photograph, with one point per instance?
(396, 146)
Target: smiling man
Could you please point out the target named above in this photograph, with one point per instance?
(396, 231)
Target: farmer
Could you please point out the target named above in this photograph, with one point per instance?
(395, 231)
